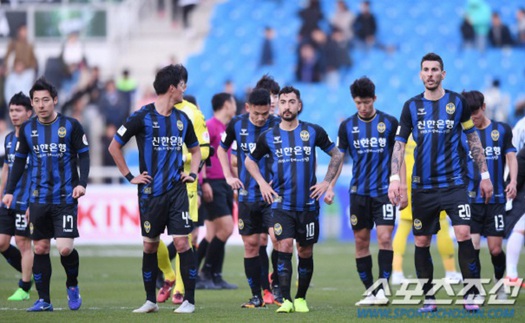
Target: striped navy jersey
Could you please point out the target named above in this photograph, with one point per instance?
(496, 140)
(23, 187)
(293, 163)
(244, 134)
(160, 140)
(53, 151)
(369, 144)
(436, 127)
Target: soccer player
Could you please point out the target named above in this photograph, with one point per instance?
(164, 259)
(435, 119)
(244, 130)
(445, 244)
(218, 198)
(368, 136)
(161, 131)
(56, 145)
(13, 221)
(293, 190)
(489, 219)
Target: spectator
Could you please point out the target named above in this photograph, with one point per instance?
(187, 7)
(308, 68)
(497, 103)
(343, 19)
(478, 13)
(3, 102)
(113, 105)
(107, 160)
(520, 17)
(229, 87)
(23, 51)
(73, 60)
(20, 79)
(365, 26)
(499, 33)
(267, 47)
(127, 85)
(310, 18)
(468, 35)
(338, 59)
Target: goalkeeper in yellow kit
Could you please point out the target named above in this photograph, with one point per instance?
(172, 278)
(444, 241)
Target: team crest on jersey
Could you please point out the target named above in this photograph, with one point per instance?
(147, 190)
(84, 140)
(416, 179)
(31, 229)
(277, 229)
(472, 194)
(381, 127)
(353, 219)
(147, 226)
(450, 108)
(35, 193)
(305, 135)
(180, 125)
(241, 224)
(62, 132)
(494, 135)
(417, 224)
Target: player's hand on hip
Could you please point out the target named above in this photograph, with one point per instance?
(7, 200)
(394, 193)
(318, 190)
(329, 196)
(143, 178)
(79, 191)
(486, 189)
(186, 178)
(511, 190)
(234, 182)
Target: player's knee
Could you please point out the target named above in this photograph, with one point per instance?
(495, 250)
(40, 249)
(65, 251)
(305, 252)
(181, 244)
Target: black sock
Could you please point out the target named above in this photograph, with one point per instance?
(478, 261)
(284, 270)
(188, 271)
(26, 286)
(149, 275)
(263, 256)
(275, 260)
(42, 275)
(252, 269)
(305, 270)
(384, 260)
(468, 262)
(13, 257)
(424, 267)
(364, 269)
(71, 265)
(499, 262)
(201, 251)
(172, 252)
(214, 255)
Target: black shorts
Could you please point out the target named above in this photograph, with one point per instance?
(302, 226)
(514, 214)
(366, 210)
(13, 223)
(488, 219)
(427, 204)
(203, 215)
(169, 210)
(252, 217)
(48, 221)
(222, 203)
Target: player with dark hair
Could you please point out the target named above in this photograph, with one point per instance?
(161, 132)
(268, 83)
(13, 221)
(55, 145)
(368, 136)
(435, 118)
(293, 190)
(488, 219)
(254, 213)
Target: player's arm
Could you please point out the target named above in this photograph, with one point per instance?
(18, 169)
(512, 163)
(115, 150)
(192, 143)
(227, 140)
(476, 149)
(397, 163)
(251, 164)
(342, 144)
(234, 162)
(81, 146)
(334, 167)
(5, 170)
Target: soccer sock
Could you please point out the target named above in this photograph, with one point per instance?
(364, 269)
(275, 261)
(384, 259)
(171, 250)
(478, 261)
(164, 262)
(215, 256)
(252, 269)
(445, 246)
(42, 276)
(498, 261)
(399, 243)
(13, 257)
(201, 251)
(468, 262)
(305, 270)
(26, 286)
(424, 266)
(188, 271)
(265, 264)
(514, 244)
(149, 275)
(284, 271)
(71, 264)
